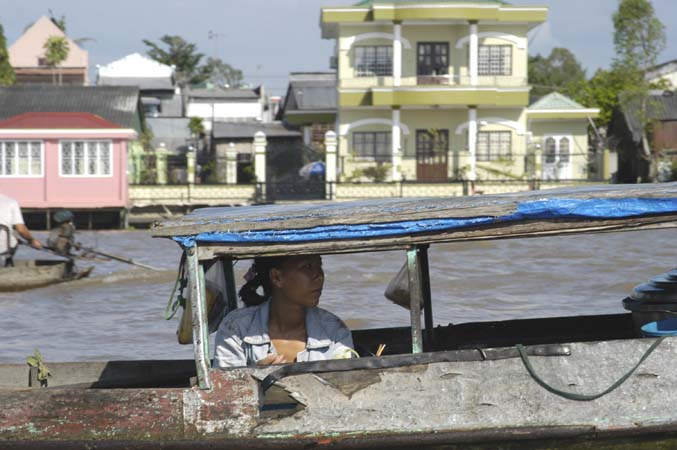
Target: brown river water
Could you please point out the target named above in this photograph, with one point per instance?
(118, 312)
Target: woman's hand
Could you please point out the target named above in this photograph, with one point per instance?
(271, 359)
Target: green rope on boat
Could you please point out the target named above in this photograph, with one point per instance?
(583, 397)
(181, 283)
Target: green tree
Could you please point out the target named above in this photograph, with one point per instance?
(602, 91)
(196, 127)
(61, 24)
(183, 56)
(560, 72)
(639, 38)
(56, 52)
(7, 76)
(223, 74)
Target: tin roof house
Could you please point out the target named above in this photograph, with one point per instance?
(160, 96)
(310, 105)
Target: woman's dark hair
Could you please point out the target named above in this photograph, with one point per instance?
(260, 277)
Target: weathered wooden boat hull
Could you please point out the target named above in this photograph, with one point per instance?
(30, 274)
(457, 404)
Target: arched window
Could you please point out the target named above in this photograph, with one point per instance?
(550, 150)
(564, 151)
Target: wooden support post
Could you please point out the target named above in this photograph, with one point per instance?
(196, 284)
(231, 288)
(429, 342)
(416, 296)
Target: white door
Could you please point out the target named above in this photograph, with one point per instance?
(557, 158)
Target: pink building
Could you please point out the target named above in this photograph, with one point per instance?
(76, 160)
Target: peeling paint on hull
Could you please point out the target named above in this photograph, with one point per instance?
(450, 405)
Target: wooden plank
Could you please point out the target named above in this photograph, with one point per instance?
(301, 216)
(429, 342)
(196, 284)
(496, 231)
(416, 298)
(137, 415)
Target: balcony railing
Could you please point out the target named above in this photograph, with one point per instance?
(460, 81)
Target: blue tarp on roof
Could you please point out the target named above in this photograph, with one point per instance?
(550, 209)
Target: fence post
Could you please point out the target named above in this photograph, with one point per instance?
(538, 167)
(330, 146)
(231, 166)
(260, 144)
(190, 167)
(135, 162)
(609, 164)
(161, 165)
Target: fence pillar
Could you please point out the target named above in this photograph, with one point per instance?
(134, 166)
(161, 165)
(610, 164)
(231, 166)
(260, 144)
(538, 163)
(138, 163)
(190, 167)
(330, 145)
(395, 144)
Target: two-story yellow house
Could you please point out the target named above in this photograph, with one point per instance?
(437, 90)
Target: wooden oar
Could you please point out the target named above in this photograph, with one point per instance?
(116, 257)
(49, 250)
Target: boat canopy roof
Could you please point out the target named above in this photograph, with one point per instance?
(384, 224)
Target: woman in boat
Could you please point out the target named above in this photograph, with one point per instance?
(284, 324)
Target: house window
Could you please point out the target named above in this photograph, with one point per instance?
(372, 144)
(432, 58)
(432, 143)
(373, 61)
(493, 145)
(86, 158)
(21, 158)
(495, 60)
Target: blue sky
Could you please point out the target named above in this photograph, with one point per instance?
(267, 39)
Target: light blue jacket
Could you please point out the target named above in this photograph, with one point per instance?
(242, 338)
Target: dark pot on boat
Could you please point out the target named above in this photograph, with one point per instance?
(653, 301)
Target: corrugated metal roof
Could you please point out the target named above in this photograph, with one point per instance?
(555, 100)
(169, 127)
(171, 107)
(311, 91)
(173, 132)
(661, 106)
(240, 94)
(247, 130)
(117, 104)
(143, 83)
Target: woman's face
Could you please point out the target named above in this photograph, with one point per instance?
(300, 280)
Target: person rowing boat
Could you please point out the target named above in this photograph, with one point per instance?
(12, 221)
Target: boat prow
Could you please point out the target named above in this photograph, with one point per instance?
(31, 274)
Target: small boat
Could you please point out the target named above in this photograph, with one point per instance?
(562, 382)
(35, 273)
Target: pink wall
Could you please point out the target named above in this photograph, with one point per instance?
(55, 191)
